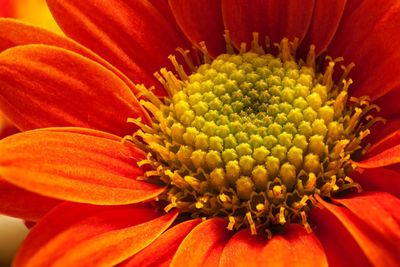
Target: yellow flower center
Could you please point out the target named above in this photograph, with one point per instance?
(251, 137)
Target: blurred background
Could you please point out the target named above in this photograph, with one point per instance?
(13, 231)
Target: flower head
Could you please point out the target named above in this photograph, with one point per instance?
(249, 145)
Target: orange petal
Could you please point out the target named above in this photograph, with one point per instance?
(376, 56)
(385, 143)
(203, 245)
(130, 35)
(86, 235)
(7, 8)
(388, 157)
(323, 26)
(373, 221)
(379, 179)
(294, 247)
(20, 203)
(288, 249)
(201, 21)
(161, 251)
(45, 86)
(273, 18)
(340, 247)
(87, 167)
(378, 131)
(243, 249)
(14, 33)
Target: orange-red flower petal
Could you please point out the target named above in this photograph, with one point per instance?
(373, 221)
(160, 252)
(243, 249)
(45, 86)
(340, 247)
(323, 26)
(380, 131)
(387, 157)
(294, 247)
(85, 235)
(88, 167)
(385, 143)
(14, 33)
(203, 245)
(379, 179)
(389, 103)
(17, 202)
(275, 18)
(371, 42)
(201, 21)
(133, 36)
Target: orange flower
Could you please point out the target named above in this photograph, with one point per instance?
(245, 156)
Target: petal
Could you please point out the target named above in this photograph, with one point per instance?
(373, 221)
(340, 247)
(288, 249)
(161, 251)
(275, 18)
(44, 86)
(7, 8)
(14, 33)
(201, 20)
(85, 235)
(20, 203)
(387, 142)
(378, 131)
(6, 127)
(379, 179)
(131, 35)
(89, 167)
(371, 42)
(203, 245)
(324, 23)
(243, 249)
(389, 104)
(388, 157)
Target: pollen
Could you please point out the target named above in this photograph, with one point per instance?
(251, 135)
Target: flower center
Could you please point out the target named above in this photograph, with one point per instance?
(251, 137)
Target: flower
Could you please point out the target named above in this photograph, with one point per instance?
(280, 189)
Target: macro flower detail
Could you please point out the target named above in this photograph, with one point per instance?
(204, 133)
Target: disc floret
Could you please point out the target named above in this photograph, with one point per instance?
(251, 137)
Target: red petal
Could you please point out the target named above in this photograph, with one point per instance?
(325, 20)
(340, 247)
(14, 33)
(379, 131)
(288, 249)
(385, 158)
(379, 179)
(60, 88)
(87, 167)
(389, 104)
(161, 251)
(6, 127)
(371, 41)
(201, 20)
(275, 18)
(6, 8)
(373, 221)
(243, 249)
(85, 235)
(19, 203)
(203, 245)
(387, 142)
(131, 35)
